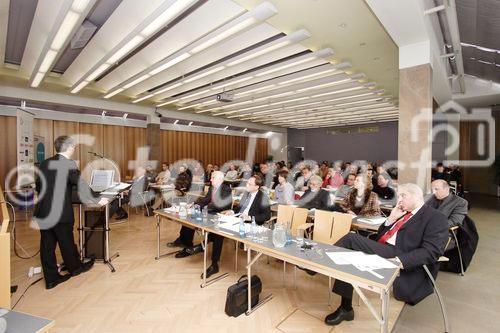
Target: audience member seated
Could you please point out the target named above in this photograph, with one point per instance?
(361, 200)
(323, 169)
(333, 178)
(413, 235)
(385, 193)
(316, 197)
(208, 173)
(245, 172)
(216, 167)
(164, 176)
(439, 172)
(150, 174)
(182, 185)
(345, 189)
(451, 205)
(302, 183)
(232, 173)
(254, 202)
(266, 174)
(218, 199)
(135, 196)
(284, 193)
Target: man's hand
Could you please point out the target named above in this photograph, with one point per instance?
(103, 202)
(396, 213)
(351, 212)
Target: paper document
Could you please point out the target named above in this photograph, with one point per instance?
(378, 220)
(121, 186)
(109, 193)
(360, 260)
(234, 227)
(228, 218)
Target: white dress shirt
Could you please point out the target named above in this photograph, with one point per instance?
(249, 203)
(392, 240)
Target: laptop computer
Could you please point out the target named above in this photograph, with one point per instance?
(101, 180)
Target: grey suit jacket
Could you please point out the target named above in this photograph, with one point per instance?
(453, 207)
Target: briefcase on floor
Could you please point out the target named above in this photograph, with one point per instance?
(237, 295)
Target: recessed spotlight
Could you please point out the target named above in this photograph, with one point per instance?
(225, 128)
(190, 123)
(176, 121)
(343, 25)
(245, 130)
(103, 114)
(125, 115)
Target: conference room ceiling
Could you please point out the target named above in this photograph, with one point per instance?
(282, 63)
(479, 26)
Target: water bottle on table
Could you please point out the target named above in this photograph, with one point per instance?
(242, 228)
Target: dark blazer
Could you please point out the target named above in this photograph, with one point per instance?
(223, 200)
(183, 181)
(420, 241)
(61, 176)
(260, 207)
(319, 200)
(453, 207)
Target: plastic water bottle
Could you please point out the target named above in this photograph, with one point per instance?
(242, 229)
(205, 212)
(254, 229)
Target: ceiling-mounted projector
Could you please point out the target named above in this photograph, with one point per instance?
(225, 96)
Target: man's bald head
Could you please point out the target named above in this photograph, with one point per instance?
(440, 189)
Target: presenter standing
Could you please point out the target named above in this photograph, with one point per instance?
(58, 176)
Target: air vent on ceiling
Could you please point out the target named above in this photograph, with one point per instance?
(353, 130)
(83, 35)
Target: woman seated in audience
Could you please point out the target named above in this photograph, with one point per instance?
(361, 200)
(284, 192)
(302, 183)
(164, 176)
(232, 173)
(333, 178)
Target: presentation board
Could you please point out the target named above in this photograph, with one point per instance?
(25, 148)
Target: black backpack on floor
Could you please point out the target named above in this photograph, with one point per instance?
(237, 295)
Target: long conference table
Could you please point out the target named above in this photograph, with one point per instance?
(293, 254)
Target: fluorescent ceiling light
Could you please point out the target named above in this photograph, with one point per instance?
(194, 94)
(114, 93)
(259, 53)
(37, 80)
(189, 106)
(79, 5)
(273, 96)
(336, 92)
(79, 87)
(175, 9)
(362, 101)
(170, 63)
(225, 34)
(131, 44)
(97, 72)
(168, 102)
(125, 115)
(139, 79)
(168, 88)
(199, 76)
(324, 85)
(310, 76)
(230, 83)
(254, 90)
(103, 114)
(142, 98)
(295, 63)
(47, 61)
(67, 25)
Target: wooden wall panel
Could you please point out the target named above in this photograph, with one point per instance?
(45, 128)
(210, 148)
(95, 133)
(135, 137)
(114, 146)
(8, 148)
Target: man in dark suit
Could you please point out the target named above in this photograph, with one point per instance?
(316, 197)
(54, 211)
(254, 202)
(413, 235)
(218, 199)
(451, 205)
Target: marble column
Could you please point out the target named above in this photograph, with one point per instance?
(415, 126)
